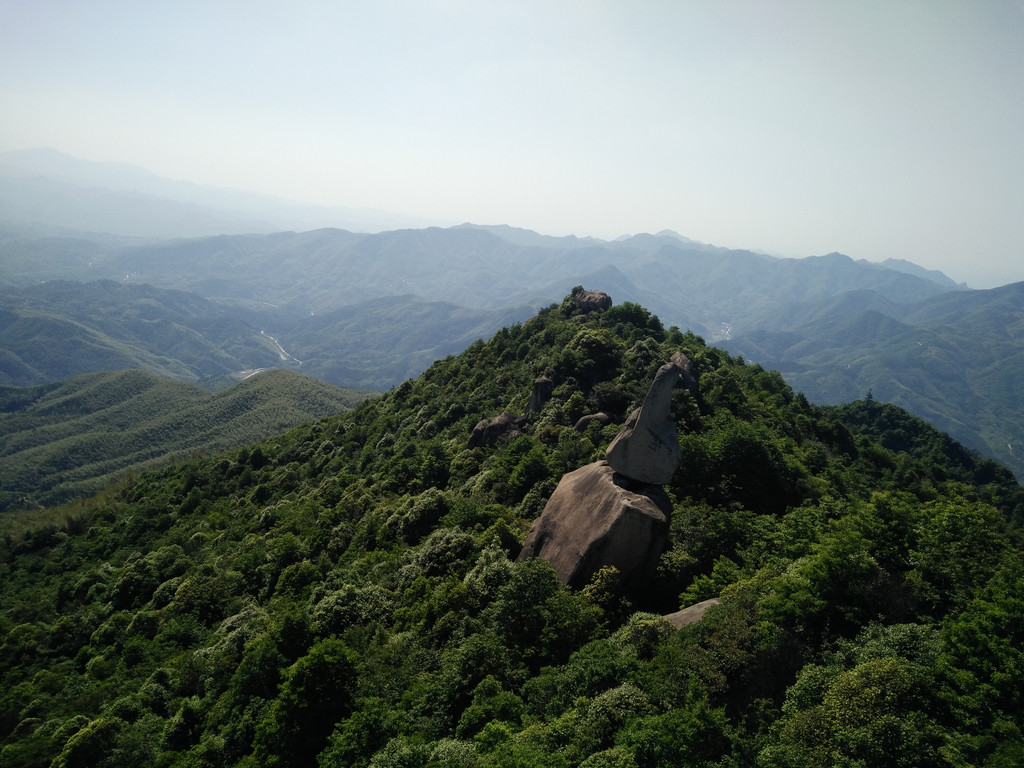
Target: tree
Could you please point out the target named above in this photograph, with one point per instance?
(316, 694)
(91, 744)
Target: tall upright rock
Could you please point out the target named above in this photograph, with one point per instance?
(542, 391)
(647, 446)
(615, 512)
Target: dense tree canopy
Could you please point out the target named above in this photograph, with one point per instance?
(347, 594)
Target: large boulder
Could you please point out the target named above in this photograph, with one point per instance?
(601, 418)
(692, 614)
(591, 301)
(487, 431)
(647, 447)
(596, 518)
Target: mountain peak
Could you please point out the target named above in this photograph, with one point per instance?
(910, 268)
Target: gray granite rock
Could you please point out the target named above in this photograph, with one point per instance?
(542, 391)
(596, 518)
(691, 614)
(592, 301)
(487, 431)
(601, 418)
(647, 446)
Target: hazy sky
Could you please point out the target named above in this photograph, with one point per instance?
(878, 129)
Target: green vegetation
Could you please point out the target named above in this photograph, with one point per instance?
(370, 310)
(956, 360)
(60, 329)
(346, 594)
(70, 439)
(56, 330)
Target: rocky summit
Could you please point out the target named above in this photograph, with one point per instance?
(614, 513)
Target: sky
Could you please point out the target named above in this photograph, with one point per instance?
(890, 129)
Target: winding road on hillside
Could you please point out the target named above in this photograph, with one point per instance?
(280, 350)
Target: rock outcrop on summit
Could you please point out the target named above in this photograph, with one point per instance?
(591, 301)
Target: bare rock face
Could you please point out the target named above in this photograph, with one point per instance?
(542, 391)
(691, 614)
(687, 372)
(591, 301)
(647, 447)
(487, 431)
(601, 418)
(596, 518)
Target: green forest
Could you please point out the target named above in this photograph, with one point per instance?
(69, 439)
(348, 593)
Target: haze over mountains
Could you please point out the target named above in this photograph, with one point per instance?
(372, 308)
(55, 192)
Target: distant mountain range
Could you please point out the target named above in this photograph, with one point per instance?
(46, 192)
(371, 309)
(691, 285)
(956, 359)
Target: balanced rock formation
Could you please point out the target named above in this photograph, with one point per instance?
(596, 518)
(615, 512)
(647, 446)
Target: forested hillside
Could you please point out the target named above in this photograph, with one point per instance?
(70, 439)
(60, 329)
(56, 330)
(348, 594)
(956, 360)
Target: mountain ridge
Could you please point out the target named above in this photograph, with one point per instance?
(272, 281)
(954, 359)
